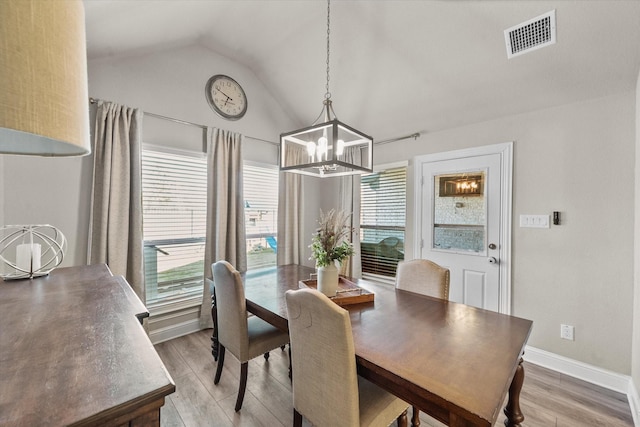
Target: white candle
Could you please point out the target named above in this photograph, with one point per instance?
(28, 256)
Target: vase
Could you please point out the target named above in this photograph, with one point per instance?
(328, 279)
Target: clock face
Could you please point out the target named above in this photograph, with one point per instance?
(226, 97)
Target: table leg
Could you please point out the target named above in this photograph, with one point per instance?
(512, 410)
(214, 335)
(415, 419)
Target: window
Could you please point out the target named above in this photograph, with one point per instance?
(174, 198)
(382, 221)
(260, 187)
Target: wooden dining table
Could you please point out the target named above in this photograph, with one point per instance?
(455, 362)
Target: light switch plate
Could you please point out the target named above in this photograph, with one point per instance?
(534, 221)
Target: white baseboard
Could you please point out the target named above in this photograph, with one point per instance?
(592, 374)
(174, 331)
(634, 402)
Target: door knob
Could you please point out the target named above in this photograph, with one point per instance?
(493, 260)
(492, 246)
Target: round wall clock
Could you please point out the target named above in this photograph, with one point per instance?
(226, 97)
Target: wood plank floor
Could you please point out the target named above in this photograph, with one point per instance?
(548, 399)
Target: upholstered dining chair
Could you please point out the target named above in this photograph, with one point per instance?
(244, 337)
(326, 388)
(423, 277)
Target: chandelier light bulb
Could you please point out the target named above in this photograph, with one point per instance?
(340, 149)
(311, 148)
(322, 147)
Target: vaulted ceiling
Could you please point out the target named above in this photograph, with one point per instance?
(397, 67)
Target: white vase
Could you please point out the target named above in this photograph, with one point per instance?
(328, 279)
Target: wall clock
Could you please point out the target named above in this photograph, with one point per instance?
(226, 97)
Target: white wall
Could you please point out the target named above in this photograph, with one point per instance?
(50, 190)
(577, 159)
(635, 366)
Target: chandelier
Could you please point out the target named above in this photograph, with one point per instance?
(328, 148)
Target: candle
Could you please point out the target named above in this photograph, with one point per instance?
(28, 256)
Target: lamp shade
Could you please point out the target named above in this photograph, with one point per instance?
(43, 83)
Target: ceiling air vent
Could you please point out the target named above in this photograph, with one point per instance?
(531, 35)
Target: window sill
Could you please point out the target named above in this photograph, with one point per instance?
(165, 307)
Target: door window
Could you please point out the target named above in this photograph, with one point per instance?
(459, 212)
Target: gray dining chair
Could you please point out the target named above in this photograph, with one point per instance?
(244, 337)
(423, 277)
(326, 388)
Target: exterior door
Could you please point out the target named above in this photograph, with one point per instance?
(462, 224)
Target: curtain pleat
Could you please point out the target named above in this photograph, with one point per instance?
(290, 239)
(226, 237)
(115, 231)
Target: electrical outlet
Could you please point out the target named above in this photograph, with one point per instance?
(567, 332)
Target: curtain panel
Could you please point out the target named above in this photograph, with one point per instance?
(290, 239)
(115, 229)
(226, 236)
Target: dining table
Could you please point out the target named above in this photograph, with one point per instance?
(457, 363)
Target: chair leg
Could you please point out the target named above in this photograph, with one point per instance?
(220, 363)
(402, 419)
(243, 385)
(214, 334)
(266, 356)
(297, 418)
(290, 370)
(415, 419)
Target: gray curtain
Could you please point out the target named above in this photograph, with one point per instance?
(115, 229)
(350, 202)
(290, 239)
(226, 237)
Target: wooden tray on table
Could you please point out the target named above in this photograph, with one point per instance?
(348, 292)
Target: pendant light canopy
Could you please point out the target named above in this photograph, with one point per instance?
(43, 85)
(329, 148)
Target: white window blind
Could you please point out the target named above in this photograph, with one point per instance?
(382, 221)
(260, 187)
(174, 197)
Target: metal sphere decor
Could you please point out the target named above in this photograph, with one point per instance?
(28, 251)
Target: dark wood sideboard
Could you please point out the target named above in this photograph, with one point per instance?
(73, 352)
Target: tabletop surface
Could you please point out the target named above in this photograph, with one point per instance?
(450, 354)
(72, 350)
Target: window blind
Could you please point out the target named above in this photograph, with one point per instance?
(174, 198)
(260, 187)
(382, 220)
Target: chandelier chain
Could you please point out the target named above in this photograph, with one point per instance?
(327, 95)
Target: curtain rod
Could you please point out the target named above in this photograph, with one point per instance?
(414, 135)
(184, 122)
